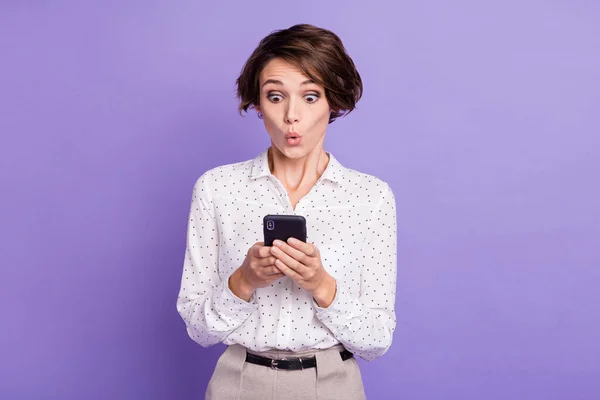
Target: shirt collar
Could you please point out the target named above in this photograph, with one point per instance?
(333, 172)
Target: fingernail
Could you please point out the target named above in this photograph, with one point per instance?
(292, 240)
(277, 243)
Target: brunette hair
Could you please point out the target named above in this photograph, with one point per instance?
(319, 53)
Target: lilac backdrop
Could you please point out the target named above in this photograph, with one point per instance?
(482, 116)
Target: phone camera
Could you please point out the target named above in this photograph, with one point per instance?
(270, 225)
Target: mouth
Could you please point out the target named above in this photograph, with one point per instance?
(293, 138)
(292, 135)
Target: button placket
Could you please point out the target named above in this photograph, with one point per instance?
(283, 325)
(284, 198)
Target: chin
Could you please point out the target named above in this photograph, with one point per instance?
(293, 152)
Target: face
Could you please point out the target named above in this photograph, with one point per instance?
(295, 109)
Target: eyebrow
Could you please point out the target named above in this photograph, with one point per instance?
(279, 83)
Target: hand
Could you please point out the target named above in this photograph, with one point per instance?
(257, 271)
(302, 263)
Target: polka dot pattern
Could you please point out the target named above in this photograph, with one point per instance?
(351, 218)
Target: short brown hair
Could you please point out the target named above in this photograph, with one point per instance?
(319, 53)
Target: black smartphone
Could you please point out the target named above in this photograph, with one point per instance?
(283, 227)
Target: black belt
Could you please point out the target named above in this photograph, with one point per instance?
(290, 363)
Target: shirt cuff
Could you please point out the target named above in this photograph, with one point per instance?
(342, 313)
(227, 303)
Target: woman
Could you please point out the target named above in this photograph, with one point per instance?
(292, 314)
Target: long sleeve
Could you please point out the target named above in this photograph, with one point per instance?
(365, 325)
(205, 302)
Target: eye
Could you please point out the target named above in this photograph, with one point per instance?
(312, 98)
(275, 98)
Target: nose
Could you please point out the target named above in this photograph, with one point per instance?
(291, 115)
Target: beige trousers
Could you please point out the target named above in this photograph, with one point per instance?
(332, 379)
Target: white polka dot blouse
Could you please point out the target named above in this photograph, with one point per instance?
(350, 218)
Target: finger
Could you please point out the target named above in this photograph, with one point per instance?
(261, 251)
(275, 277)
(269, 272)
(272, 270)
(264, 251)
(287, 270)
(307, 248)
(292, 252)
(257, 245)
(266, 262)
(289, 261)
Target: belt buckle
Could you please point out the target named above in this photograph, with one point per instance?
(274, 363)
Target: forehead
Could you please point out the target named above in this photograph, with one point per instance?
(282, 70)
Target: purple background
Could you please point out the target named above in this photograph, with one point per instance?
(483, 117)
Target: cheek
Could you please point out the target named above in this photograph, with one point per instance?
(272, 113)
(325, 110)
(270, 120)
(321, 116)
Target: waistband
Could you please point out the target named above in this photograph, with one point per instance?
(280, 354)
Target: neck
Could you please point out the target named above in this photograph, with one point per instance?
(295, 174)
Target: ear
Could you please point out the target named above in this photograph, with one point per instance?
(256, 107)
